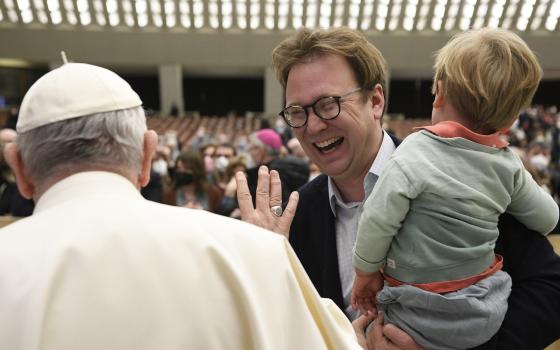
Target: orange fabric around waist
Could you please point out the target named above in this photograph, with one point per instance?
(451, 286)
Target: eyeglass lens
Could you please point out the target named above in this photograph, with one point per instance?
(325, 108)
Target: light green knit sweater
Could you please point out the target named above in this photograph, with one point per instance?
(433, 213)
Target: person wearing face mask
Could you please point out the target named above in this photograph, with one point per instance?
(222, 155)
(539, 156)
(159, 174)
(539, 160)
(160, 167)
(190, 187)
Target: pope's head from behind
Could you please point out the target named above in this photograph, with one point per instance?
(76, 118)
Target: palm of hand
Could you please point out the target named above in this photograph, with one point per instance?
(268, 195)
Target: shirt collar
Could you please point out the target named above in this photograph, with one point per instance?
(450, 129)
(387, 148)
(86, 184)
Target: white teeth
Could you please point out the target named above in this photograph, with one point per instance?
(325, 143)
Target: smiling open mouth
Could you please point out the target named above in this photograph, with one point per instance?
(327, 145)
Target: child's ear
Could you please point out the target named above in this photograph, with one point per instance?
(439, 98)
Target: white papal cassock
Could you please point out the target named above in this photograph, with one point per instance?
(98, 267)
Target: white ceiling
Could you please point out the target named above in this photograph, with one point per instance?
(367, 15)
(236, 37)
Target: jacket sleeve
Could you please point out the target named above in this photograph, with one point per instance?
(533, 317)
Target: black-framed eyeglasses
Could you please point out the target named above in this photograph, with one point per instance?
(327, 108)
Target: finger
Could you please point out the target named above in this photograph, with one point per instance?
(244, 199)
(364, 320)
(360, 324)
(380, 317)
(275, 188)
(399, 338)
(353, 302)
(375, 338)
(263, 186)
(288, 216)
(371, 317)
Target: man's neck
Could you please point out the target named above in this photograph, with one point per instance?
(351, 190)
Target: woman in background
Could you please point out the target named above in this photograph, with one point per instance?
(190, 187)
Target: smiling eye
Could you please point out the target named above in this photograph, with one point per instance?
(295, 115)
(327, 107)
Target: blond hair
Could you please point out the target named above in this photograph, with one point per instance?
(489, 76)
(366, 60)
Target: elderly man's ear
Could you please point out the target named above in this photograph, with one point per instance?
(13, 158)
(150, 145)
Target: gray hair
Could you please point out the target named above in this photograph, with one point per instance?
(114, 139)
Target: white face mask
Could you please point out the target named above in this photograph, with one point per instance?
(280, 126)
(249, 161)
(221, 163)
(160, 167)
(540, 161)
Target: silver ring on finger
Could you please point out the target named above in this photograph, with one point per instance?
(276, 210)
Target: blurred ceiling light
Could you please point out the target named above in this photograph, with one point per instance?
(14, 63)
(366, 15)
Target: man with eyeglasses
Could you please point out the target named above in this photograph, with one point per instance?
(335, 85)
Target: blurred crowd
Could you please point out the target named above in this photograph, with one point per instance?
(536, 138)
(199, 172)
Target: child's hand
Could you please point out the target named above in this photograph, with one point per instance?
(366, 286)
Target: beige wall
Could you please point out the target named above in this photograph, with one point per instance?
(224, 53)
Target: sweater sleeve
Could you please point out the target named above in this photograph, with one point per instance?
(384, 211)
(531, 205)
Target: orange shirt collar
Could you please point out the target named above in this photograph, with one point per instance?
(449, 129)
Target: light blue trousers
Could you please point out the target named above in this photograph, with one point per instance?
(457, 320)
